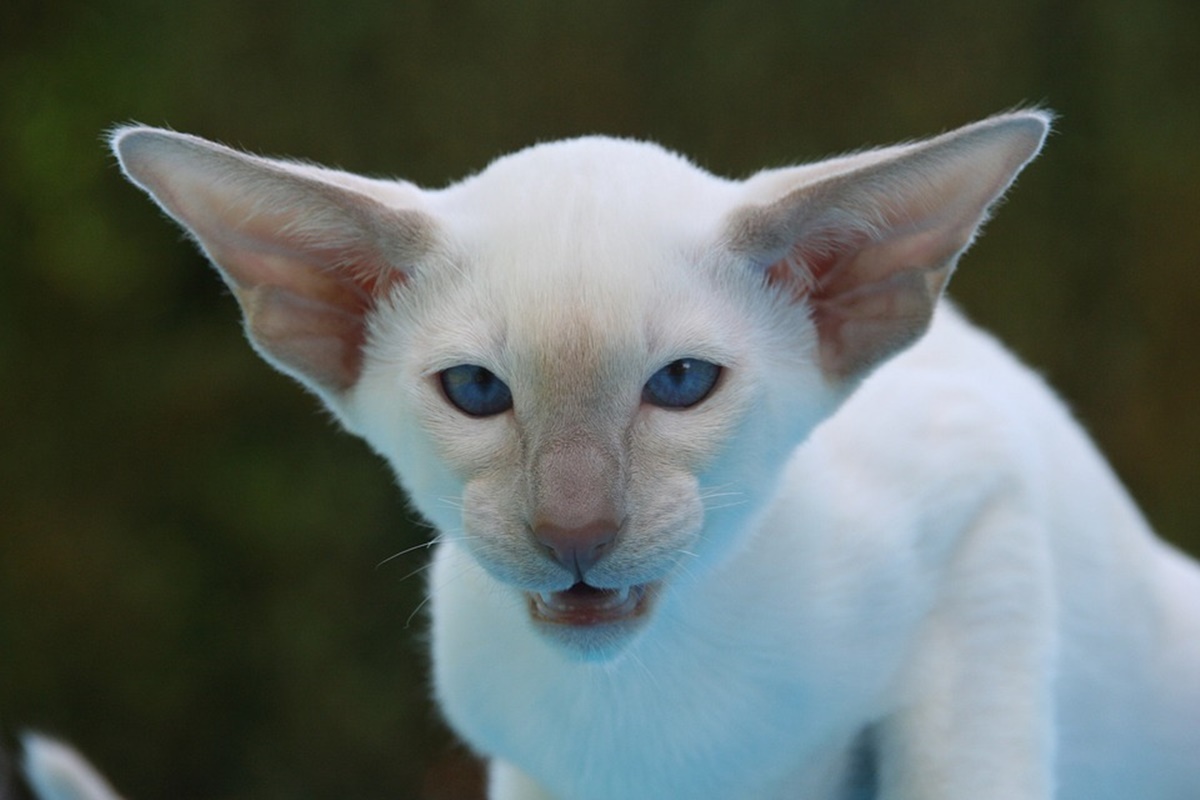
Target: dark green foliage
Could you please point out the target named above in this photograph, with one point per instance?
(190, 578)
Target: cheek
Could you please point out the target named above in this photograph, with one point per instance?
(434, 451)
(468, 446)
(491, 507)
(495, 530)
(689, 441)
(432, 486)
(689, 498)
(665, 504)
(674, 442)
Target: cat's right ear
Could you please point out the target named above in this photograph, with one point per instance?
(307, 252)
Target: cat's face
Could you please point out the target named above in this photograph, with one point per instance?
(648, 383)
(588, 362)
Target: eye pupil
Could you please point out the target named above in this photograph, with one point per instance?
(681, 384)
(475, 390)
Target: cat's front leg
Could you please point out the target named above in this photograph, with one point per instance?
(977, 714)
(506, 782)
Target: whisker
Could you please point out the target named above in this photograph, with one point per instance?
(429, 595)
(426, 545)
(425, 600)
(731, 497)
(422, 546)
(732, 504)
(423, 568)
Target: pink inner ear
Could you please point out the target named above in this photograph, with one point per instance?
(360, 269)
(867, 297)
(871, 247)
(306, 308)
(308, 253)
(807, 271)
(321, 341)
(782, 276)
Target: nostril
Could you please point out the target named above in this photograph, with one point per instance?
(579, 547)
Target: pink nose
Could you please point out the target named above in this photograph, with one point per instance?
(577, 548)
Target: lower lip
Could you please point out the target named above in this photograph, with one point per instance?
(583, 606)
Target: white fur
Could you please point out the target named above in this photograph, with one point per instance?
(877, 570)
(56, 772)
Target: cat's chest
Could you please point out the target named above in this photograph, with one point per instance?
(678, 715)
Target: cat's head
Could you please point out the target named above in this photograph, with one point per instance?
(588, 362)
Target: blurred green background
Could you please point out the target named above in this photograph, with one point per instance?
(191, 585)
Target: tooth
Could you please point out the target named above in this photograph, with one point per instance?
(545, 596)
(622, 595)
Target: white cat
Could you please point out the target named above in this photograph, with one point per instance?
(729, 504)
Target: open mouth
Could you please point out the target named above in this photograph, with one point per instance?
(586, 606)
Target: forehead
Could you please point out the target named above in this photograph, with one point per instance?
(584, 229)
(573, 325)
(591, 206)
(576, 261)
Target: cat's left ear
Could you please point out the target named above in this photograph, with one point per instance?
(868, 242)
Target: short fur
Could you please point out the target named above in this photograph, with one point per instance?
(880, 559)
(53, 771)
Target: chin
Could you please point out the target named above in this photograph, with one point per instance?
(591, 623)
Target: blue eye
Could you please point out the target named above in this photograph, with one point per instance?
(475, 391)
(681, 384)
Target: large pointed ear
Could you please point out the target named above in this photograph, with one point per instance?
(868, 242)
(307, 252)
